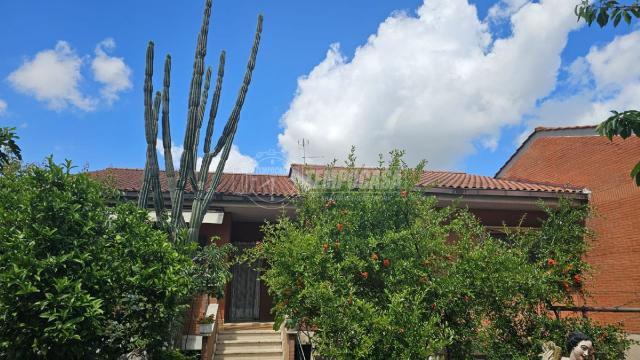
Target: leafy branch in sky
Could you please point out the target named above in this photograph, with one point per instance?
(623, 123)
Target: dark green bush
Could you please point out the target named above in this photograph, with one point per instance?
(81, 279)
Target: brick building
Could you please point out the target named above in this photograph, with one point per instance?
(244, 201)
(578, 157)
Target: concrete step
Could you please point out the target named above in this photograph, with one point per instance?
(249, 336)
(249, 331)
(248, 347)
(261, 356)
(266, 341)
(248, 326)
(248, 341)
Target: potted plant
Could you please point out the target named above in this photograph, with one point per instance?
(206, 324)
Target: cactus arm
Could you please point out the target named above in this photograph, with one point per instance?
(152, 154)
(201, 111)
(214, 103)
(206, 161)
(235, 114)
(166, 130)
(186, 160)
(148, 91)
(200, 204)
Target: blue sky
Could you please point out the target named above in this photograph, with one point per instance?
(456, 83)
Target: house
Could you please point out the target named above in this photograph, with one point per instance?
(245, 201)
(580, 157)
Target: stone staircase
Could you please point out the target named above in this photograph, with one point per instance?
(248, 341)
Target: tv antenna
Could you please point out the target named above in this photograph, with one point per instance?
(304, 143)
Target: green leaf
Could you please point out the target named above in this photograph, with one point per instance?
(635, 173)
(603, 17)
(617, 17)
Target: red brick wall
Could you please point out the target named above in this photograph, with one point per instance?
(603, 167)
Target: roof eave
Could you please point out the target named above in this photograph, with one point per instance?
(503, 199)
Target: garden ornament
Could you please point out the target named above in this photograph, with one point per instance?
(579, 347)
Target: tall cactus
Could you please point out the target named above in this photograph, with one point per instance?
(198, 97)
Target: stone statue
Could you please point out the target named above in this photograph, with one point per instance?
(579, 347)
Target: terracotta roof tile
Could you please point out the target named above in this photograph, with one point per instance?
(232, 184)
(451, 180)
(282, 185)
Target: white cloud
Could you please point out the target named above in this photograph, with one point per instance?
(617, 63)
(3, 107)
(53, 76)
(431, 84)
(110, 71)
(607, 78)
(236, 163)
(504, 9)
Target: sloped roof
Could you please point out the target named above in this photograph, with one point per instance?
(284, 186)
(447, 179)
(230, 184)
(459, 180)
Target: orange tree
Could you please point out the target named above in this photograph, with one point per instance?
(376, 270)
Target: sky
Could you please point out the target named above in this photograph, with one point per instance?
(459, 83)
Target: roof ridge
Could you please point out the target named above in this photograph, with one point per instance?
(554, 128)
(160, 170)
(372, 168)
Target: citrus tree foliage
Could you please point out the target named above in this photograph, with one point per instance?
(623, 123)
(83, 280)
(381, 272)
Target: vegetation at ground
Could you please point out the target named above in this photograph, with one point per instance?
(377, 270)
(84, 276)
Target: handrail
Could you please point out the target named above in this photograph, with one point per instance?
(213, 309)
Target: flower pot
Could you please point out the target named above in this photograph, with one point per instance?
(206, 328)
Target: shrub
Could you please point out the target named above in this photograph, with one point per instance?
(378, 271)
(82, 279)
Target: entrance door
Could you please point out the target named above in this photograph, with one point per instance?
(245, 291)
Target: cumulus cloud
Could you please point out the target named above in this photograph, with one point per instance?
(110, 71)
(3, 107)
(236, 163)
(433, 84)
(53, 76)
(607, 78)
(504, 9)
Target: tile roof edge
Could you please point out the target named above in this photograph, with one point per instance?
(372, 168)
(544, 183)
